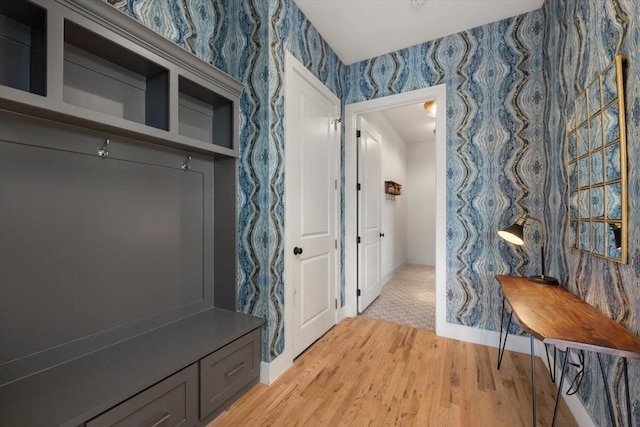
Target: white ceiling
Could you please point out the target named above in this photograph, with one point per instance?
(412, 124)
(362, 29)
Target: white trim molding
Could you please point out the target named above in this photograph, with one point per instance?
(352, 111)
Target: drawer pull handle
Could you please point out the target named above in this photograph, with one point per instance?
(162, 421)
(233, 371)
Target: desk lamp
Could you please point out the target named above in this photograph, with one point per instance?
(515, 234)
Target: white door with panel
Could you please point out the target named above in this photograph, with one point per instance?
(311, 203)
(370, 189)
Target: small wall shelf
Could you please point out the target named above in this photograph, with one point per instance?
(392, 189)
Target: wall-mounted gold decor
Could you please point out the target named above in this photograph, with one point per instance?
(597, 166)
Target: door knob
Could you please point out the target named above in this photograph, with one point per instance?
(297, 251)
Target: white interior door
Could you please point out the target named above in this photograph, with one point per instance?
(311, 175)
(369, 218)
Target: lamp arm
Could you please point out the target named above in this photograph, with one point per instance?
(527, 216)
(542, 266)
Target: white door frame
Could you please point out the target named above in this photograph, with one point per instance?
(438, 93)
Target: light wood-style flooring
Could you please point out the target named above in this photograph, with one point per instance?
(367, 372)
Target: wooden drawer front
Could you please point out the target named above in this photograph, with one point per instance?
(226, 371)
(172, 402)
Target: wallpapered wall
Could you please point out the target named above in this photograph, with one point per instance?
(496, 161)
(582, 37)
(505, 81)
(496, 158)
(247, 39)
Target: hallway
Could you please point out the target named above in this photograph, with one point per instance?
(408, 298)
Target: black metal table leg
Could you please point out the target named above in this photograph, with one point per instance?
(552, 372)
(501, 344)
(626, 383)
(564, 364)
(606, 388)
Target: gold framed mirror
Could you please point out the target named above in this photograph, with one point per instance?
(597, 166)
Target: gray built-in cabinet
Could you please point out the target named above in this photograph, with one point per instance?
(118, 253)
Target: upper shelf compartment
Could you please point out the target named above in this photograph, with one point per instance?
(204, 115)
(85, 63)
(103, 76)
(23, 41)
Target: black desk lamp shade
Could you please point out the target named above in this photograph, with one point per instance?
(515, 234)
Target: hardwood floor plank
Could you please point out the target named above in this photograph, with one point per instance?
(367, 372)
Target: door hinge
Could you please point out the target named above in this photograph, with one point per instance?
(359, 240)
(357, 134)
(336, 243)
(359, 186)
(336, 184)
(336, 302)
(359, 293)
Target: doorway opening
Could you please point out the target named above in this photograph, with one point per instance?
(352, 112)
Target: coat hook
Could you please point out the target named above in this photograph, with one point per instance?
(187, 164)
(103, 152)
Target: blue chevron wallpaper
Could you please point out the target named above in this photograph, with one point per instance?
(581, 38)
(507, 84)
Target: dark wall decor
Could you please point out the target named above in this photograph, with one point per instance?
(597, 166)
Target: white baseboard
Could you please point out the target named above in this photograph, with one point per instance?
(393, 272)
(481, 336)
(269, 372)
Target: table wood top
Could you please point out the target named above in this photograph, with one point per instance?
(555, 316)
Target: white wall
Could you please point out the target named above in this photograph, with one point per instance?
(421, 203)
(394, 212)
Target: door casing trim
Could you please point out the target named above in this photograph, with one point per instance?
(352, 111)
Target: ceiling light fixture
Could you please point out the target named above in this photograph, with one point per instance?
(430, 108)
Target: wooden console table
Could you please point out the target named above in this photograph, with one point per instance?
(555, 316)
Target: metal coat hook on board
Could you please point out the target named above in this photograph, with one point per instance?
(103, 151)
(187, 164)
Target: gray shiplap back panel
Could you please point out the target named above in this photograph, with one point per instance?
(90, 245)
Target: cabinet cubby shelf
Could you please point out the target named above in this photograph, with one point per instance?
(23, 33)
(133, 83)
